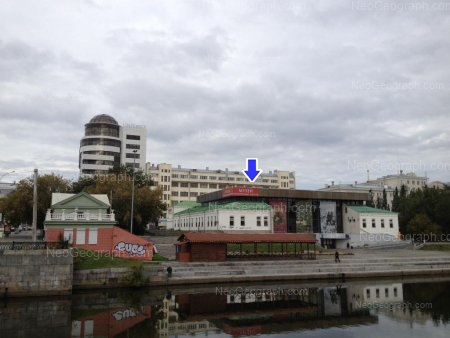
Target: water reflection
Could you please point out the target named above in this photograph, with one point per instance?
(320, 309)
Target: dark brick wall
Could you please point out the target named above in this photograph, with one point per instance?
(208, 252)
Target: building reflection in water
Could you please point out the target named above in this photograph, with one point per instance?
(238, 313)
(262, 313)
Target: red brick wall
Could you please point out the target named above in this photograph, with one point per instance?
(208, 252)
(113, 322)
(127, 245)
(108, 239)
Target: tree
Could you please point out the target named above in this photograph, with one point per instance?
(403, 191)
(17, 207)
(370, 202)
(384, 203)
(395, 200)
(422, 226)
(147, 202)
(379, 203)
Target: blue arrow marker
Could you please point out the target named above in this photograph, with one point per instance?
(252, 172)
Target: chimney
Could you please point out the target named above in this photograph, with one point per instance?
(332, 182)
(401, 172)
(226, 169)
(179, 166)
(356, 182)
(326, 185)
(368, 175)
(270, 172)
(207, 168)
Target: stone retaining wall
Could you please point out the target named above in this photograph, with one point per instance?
(110, 277)
(36, 272)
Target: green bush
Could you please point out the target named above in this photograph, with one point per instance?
(136, 277)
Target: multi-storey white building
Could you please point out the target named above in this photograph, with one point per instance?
(106, 144)
(411, 181)
(375, 190)
(182, 184)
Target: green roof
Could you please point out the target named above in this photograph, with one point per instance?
(187, 204)
(227, 206)
(369, 210)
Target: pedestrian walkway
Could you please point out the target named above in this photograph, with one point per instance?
(365, 263)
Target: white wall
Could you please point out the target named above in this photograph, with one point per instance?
(217, 219)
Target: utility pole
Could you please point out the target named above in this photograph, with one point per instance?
(35, 202)
(132, 193)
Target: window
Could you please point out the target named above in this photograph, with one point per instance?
(203, 185)
(174, 184)
(368, 293)
(174, 193)
(213, 178)
(258, 221)
(377, 293)
(242, 220)
(68, 235)
(222, 178)
(373, 223)
(203, 177)
(133, 137)
(133, 146)
(364, 223)
(193, 177)
(273, 181)
(395, 292)
(183, 176)
(231, 221)
(133, 155)
(81, 236)
(194, 185)
(213, 186)
(222, 186)
(266, 221)
(230, 178)
(386, 292)
(239, 179)
(184, 194)
(93, 236)
(382, 223)
(184, 184)
(391, 223)
(194, 194)
(174, 175)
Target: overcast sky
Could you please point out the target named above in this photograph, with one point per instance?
(327, 89)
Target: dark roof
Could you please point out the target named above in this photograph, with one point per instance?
(246, 238)
(104, 118)
(293, 193)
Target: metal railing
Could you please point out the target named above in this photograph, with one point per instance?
(14, 245)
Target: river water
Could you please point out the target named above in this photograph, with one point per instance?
(338, 309)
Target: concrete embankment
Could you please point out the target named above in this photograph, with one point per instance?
(247, 271)
(36, 272)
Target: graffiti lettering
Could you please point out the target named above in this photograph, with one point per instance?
(132, 249)
(124, 314)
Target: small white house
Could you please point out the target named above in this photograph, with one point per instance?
(236, 217)
(371, 226)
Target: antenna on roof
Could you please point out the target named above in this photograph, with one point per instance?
(400, 164)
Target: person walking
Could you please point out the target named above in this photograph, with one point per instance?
(336, 257)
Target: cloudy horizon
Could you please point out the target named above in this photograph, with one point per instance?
(324, 88)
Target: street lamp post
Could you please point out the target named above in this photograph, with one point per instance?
(7, 174)
(132, 191)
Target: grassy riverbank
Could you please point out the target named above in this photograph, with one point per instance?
(86, 259)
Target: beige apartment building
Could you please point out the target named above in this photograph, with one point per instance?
(411, 182)
(182, 184)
